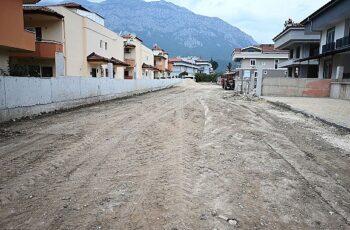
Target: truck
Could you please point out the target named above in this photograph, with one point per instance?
(227, 81)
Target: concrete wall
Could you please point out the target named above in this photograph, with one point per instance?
(296, 87)
(340, 90)
(26, 96)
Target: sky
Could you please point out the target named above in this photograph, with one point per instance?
(262, 19)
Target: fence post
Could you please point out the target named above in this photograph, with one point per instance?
(259, 82)
(59, 62)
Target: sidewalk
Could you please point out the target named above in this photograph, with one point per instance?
(330, 110)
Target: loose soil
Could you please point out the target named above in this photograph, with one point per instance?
(190, 157)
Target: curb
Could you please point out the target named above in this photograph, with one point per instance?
(290, 108)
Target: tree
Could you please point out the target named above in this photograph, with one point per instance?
(214, 64)
(229, 67)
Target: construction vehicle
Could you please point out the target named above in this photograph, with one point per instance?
(228, 81)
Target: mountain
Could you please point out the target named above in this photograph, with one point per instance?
(176, 29)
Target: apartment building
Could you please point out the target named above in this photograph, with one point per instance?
(299, 45)
(139, 58)
(332, 22)
(183, 65)
(204, 66)
(161, 63)
(14, 37)
(263, 56)
(71, 41)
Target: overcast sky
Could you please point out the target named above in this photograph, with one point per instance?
(262, 19)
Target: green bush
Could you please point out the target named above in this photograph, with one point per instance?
(203, 77)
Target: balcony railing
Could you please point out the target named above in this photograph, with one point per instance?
(343, 42)
(328, 47)
(130, 62)
(314, 52)
(43, 49)
(160, 67)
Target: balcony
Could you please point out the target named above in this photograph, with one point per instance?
(43, 49)
(130, 62)
(328, 47)
(160, 67)
(343, 42)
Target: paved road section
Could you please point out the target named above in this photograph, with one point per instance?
(332, 110)
(191, 157)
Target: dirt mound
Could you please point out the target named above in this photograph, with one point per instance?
(189, 83)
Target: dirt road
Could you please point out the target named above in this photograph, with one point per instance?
(184, 158)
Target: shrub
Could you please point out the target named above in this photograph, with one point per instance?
(203, 77)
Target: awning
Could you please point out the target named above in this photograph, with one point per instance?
(159, 56)
(41, 10)
(150, 67)
(326, 54)
(95, 58)
(129, 46)
(117, 62)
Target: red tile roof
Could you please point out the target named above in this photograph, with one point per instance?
(73, 5)
(93, 57)
(265, 48)
(41, 10)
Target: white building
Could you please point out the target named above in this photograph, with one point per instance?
(204, 66)
(183, 65)
(264, 56)
(299, 45)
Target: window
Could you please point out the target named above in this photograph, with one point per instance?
(246, 74)
(46, 71)
(93, 72)
(297, 55)
(38, 34)
(330, 35)
(101, 43)
(327, 69)
(105, 45)
(252, 62)
(276, 63)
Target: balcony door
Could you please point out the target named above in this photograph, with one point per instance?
(327, 69)
(330, 35)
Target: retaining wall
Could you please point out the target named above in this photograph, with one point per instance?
(27, 96)
(296, 87)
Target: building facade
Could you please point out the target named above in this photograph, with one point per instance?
(299, 45)
(14, 37)
(263, 56)
(204, 66)
(332, 22)
(139, 57)
(184, 66)
(71, 44)
(161, 63)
